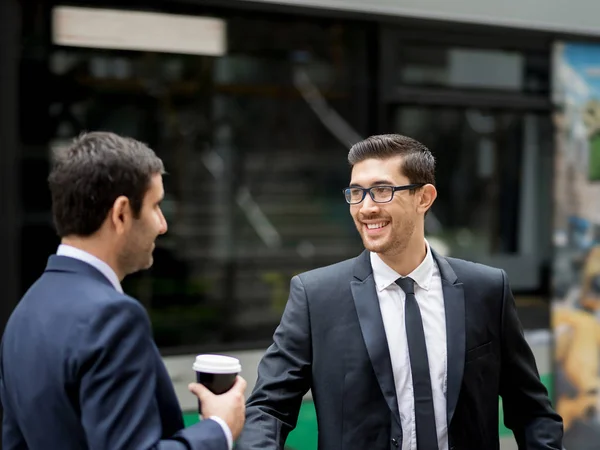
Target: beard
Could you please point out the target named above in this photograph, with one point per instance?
(394, 242)
(136, 254)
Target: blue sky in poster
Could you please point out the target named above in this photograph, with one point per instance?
(585, 60)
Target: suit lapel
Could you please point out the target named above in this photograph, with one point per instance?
(454, 304)
(373, 331)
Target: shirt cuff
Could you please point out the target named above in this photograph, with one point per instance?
(226, 430)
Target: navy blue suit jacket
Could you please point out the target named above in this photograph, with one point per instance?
(79, 370)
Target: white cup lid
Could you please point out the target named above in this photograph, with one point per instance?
(217, 364)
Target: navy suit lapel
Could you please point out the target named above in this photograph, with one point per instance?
(373, 331)
(454, 304)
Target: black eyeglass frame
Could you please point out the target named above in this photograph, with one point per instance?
(406, 187)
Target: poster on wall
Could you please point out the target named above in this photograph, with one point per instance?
(576, 271)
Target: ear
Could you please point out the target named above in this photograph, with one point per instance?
(121, 215)
(428, 194)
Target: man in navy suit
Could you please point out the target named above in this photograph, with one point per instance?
(78, 366)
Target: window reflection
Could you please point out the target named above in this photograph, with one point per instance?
(256, 154)
(481, 174)
(255, 174)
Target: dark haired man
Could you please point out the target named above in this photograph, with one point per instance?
(401, 347)
(78, 367)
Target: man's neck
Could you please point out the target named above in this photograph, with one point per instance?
(95, 248)
(407, 260)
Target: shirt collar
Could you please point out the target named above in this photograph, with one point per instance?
(76, 253)
(385, 276)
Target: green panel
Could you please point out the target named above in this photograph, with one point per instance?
(190, 418)
(594, 159)
(304, 436)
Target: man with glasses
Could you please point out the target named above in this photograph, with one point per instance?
(401, 347)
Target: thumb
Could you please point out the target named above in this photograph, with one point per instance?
(199, 390)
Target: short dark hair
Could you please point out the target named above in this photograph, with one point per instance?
(90, 174)
(418, 164)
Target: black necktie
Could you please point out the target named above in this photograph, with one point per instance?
(419, 365)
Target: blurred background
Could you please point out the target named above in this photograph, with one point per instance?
(253, 105)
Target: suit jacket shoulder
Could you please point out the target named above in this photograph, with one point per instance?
(328, 274)
(469, 272)
(327, 283)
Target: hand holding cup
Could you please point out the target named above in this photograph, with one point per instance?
(220, 390)
(230, 406)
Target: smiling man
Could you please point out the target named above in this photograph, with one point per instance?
(401, 347)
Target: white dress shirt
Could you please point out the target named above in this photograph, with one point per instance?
(429, 295)
(109, 273)
(97, 263)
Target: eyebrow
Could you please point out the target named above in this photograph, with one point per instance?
(375, 183)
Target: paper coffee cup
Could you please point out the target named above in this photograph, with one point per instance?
(216, 372)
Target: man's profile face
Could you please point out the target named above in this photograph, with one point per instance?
(385, 228)
(139, 243)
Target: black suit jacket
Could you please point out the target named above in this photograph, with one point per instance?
(331, 340)
(79, 370)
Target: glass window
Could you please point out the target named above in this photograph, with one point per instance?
(488, 176)
(255, 143)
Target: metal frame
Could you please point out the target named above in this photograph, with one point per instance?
(9, 157)
(455, 97)
(9, 162)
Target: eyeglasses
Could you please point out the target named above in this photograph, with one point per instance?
(379, 194)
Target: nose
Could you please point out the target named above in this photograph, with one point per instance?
(368, 206)
(163, 224)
